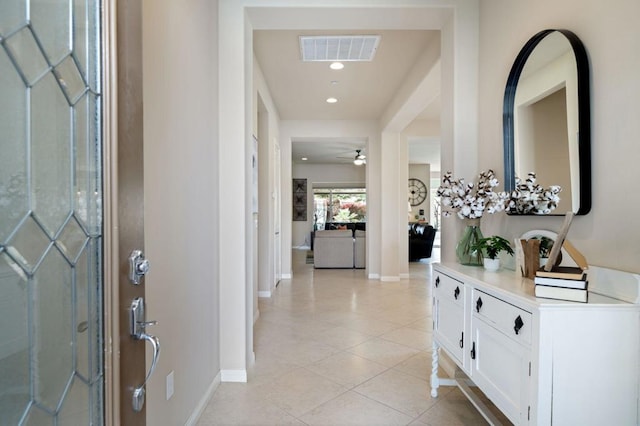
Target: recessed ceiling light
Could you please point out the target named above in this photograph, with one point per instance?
(304, 158)
(331, 100)
(336, 65)
(334, 82)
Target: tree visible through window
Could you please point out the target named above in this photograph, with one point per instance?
(339, 205)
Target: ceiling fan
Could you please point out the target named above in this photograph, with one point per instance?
(360, 158)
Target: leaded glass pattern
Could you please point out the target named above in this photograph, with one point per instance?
(51, 320)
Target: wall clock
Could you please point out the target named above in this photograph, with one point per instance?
(417, 192)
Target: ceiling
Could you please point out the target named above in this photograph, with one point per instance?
(363, 89)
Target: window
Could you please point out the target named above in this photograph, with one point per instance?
(339, 205)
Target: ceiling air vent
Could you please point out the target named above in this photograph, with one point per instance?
(339, 48)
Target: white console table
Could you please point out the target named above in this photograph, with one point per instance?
(540, 361)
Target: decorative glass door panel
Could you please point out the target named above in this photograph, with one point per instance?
(51, 312)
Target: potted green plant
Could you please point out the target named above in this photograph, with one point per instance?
(546, 244)
(490, 248)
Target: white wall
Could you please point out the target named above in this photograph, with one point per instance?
(320, 173)
(180, 127)
(608, 235)
(422, 129)
(266, 128)
(422, 172)
(235, 114)
(393, 190)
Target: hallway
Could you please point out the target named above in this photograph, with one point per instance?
(333, 348)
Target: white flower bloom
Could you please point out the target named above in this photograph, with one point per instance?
(530, 198)
(468, 199)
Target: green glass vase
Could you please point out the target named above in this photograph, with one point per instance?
(470, 236)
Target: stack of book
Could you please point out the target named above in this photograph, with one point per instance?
(563, 283)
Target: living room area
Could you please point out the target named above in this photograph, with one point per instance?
(329, 194)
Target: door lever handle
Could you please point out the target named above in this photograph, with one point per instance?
(139, 392)
(137, 324)
(137, 329)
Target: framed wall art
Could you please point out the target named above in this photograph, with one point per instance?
(299, 200)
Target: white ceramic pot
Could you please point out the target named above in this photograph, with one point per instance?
(491, 264)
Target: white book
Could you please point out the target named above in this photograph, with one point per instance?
(561, 293)
(560, 282)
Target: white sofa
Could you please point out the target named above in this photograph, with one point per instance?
(333, 249)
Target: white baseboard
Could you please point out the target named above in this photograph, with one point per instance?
(195, 416)
(390, 279)
(405, 276)
(374, 276)
(286, 276)
(233, 376)
(263, 293)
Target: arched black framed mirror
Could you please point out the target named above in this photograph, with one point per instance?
(546, 118)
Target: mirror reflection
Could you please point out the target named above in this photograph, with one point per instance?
(547, 118)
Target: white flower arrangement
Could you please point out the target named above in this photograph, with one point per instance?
(530, 198)
(469, 201)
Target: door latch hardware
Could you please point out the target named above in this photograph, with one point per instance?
(138, 266)
(137, 329)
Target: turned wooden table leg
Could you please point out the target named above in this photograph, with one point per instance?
(435, 381)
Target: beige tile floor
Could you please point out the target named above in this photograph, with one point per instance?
(333, 348)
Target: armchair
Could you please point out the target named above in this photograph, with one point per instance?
(421, 236)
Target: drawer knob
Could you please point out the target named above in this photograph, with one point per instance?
(437, 281)
(517, 325)
(478, 304)
(456, 293)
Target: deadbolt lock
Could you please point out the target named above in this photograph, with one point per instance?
(138, 266)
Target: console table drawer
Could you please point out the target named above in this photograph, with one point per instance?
(511, 320)
(448, 288)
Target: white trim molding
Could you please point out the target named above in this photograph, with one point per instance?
(390, 279)
(204, 401)
(233, 376)
(264, 293)
(374, 276)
